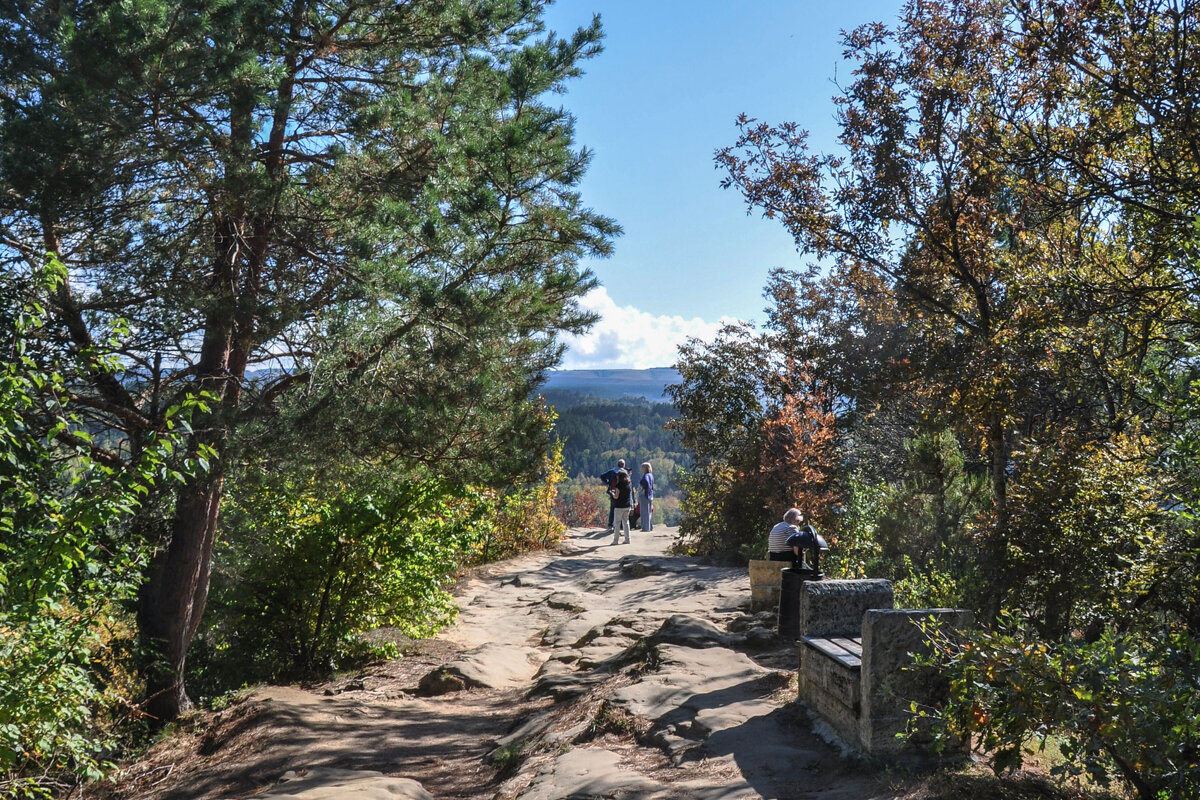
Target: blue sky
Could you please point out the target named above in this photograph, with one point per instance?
(653, 108)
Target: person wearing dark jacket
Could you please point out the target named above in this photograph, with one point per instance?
(621, 506)
(609, 479)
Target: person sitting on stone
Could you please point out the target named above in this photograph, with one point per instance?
(778, 548)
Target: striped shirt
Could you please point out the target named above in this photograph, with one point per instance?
(777, 538)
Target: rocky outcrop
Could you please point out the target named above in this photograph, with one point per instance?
(594, 672)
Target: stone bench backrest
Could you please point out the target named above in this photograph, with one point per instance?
(836, 608)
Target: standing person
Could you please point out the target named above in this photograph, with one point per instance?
(621, 506)
(610, 482)
(647, 486)
(778, 548)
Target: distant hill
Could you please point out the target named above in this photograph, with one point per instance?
(612, 384)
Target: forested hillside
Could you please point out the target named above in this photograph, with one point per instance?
(595, 433)
(572, 385)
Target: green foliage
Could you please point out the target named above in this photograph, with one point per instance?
(517, 517)
(309, 567)
(725, 514)
(925, 523)
(363, 214)
(1092, 532)
(595, 435)
(933, 503)
(1005, 248)
(1124, 706)
(67, 564)
(761, 431)
(929, 585)
(855, 551)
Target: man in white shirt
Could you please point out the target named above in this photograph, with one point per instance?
(777, 547)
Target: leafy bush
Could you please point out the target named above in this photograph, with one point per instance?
(1092, 530)
(926, 515)
(310, 565)
(582, 504)
(65, 565)
(725, 514)
(1123, 706)
(517, 518)
(854, 549)
(927, 587)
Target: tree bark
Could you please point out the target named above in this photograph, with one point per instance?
(997, 555)
(172, 600)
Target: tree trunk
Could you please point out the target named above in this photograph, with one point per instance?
(997, 555)
(172, 600)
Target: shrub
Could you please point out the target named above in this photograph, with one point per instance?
(1124, 706)
(309, 566)
(517, 518)
(66, 563)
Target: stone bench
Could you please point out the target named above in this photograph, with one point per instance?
(830, 623)
(830, 677)
(854, 662)
(765, 581)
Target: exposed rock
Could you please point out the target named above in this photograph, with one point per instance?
(595, 672)
(689, 631)
(557, 680)
(442, 680)
(492, 666)
(345, 784)
(588, 773)
(567, 601)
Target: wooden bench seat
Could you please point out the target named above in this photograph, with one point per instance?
(830, 677)
(846, 650)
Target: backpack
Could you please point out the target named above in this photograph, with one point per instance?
(613, 490)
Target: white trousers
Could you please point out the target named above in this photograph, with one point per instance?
(620, 523)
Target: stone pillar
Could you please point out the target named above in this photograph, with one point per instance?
(764, 584)
(889, 686)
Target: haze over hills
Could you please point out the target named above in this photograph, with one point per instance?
(612, 384)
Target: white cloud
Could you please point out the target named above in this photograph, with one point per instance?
(629, 338)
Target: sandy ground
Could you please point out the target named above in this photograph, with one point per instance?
(596, 671)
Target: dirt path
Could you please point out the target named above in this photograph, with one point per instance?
(599, 671)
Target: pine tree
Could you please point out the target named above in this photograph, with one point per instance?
(364, 211)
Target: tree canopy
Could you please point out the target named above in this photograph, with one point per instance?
(1000, 294)
(354, 224)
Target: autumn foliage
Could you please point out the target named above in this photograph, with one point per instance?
(999, 307)
(796, 466)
